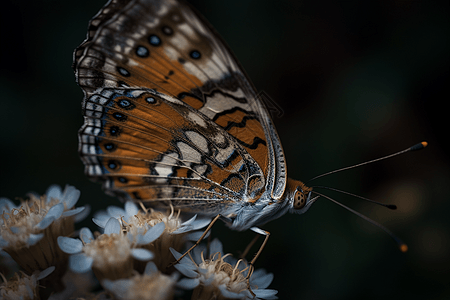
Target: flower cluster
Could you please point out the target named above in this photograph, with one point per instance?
(131, 255)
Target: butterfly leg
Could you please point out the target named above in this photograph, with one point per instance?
(197, 242)
(266, 235)
(247, 249)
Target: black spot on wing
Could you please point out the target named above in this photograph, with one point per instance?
(142, 51)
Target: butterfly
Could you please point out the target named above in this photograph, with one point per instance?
(172, 120)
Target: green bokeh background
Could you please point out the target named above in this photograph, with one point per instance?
(356, 80)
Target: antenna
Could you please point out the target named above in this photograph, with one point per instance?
(402, 246)
(416, 147)
(390, 206)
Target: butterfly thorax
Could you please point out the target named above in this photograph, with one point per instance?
(296, 199)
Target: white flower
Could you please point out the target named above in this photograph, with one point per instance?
(110, 255)
(119, 213)
(221, 277)
(151, 285)
(138, 223)
(23, 286)
(28, 231)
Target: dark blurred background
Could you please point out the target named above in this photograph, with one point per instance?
(356, 80)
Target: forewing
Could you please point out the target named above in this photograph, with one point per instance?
(137, 50)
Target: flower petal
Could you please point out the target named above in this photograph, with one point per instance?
(200, 223)
(131, 208)
(55, 211)
(47, 221)
(188, 283)
(195, 235)
(53, 192)
(184, 260)
(196, 253)
(142, 254)
(190, 221)
(45, 272)
(151, 234)
(115, 211)
(261, 279)
(86, 235)
(229, 294)
(113, 226)
(216, 246)
(186, 270)
(6, 205)
(73, 211)
(175, 253)
(186, 226)
(33, 239)
(80, 263)
(204, 272)
(70, 196)
(100, 222)
(69, 245)
(81, 216)
(150, 268)
(265, 293)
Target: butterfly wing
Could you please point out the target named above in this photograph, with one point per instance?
(169, 114)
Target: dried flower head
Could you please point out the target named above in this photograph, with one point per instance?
(23, 286)
(28, 232)
(151, 285)
(154, 230)
(221, 277)
(110, 255)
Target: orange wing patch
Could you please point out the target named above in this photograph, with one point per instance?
(159, 72)
(249, 131)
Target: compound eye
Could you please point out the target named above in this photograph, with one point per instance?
(299, 200)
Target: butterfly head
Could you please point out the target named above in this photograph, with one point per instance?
(299, 196)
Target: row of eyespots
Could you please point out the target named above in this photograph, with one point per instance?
(155, 41)
(115, 131)
(116, 166)
(127, 105)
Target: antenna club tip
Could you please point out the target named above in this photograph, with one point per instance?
(403, 248)
(391, 206)
(418, 146)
